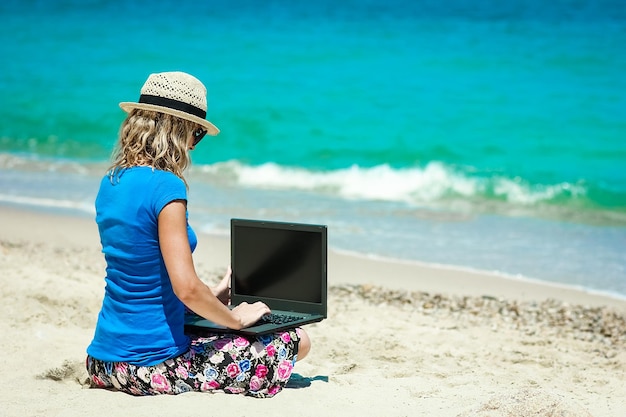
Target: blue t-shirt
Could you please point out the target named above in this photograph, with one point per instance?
(141, 321)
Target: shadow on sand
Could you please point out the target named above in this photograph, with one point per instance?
(299, 381)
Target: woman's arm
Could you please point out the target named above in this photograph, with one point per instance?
(174, 243)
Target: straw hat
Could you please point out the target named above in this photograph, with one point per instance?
(175, 93)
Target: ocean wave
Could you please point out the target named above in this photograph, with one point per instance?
(434, 185)
(433, 182)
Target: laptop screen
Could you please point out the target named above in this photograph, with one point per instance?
(281, 261)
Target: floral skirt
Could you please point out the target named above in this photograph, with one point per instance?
(257, 367)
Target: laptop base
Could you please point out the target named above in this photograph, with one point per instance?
(197, 324)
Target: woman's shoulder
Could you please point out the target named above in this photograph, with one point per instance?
(153, 173)
(168, 177)
(145, 177)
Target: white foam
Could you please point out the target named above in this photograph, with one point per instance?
(516, 191)
(417, 185)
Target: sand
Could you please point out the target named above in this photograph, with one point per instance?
(401, 339)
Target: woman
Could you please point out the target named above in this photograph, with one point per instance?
(139, 345)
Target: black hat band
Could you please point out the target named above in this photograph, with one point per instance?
(172, 104)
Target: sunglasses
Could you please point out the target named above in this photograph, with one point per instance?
(198, 134)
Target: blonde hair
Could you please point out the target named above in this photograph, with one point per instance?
(153, 139)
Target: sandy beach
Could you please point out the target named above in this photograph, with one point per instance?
(401, 339)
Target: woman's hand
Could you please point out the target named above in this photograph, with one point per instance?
(222, 290)
(250, 313)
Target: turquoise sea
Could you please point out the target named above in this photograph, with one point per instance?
(480, 134)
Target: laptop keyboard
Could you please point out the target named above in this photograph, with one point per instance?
(277, 319)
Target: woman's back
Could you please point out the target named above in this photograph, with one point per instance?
(141, 320)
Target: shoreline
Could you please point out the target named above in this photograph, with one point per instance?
(345, 267)
(499, 280)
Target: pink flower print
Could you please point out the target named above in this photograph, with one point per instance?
(273, 390)
(232, 370)
(182, 373)
(241, 342)
(285, 337)
(121, 374)
(160, 383)
(121, 367)
(224, 344)
(97, 381)
(134, 390)
(271, 350)
(209, 385)
(261, 371)
(255, 383)
(284, 370)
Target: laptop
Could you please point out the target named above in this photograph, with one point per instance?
(281, 264)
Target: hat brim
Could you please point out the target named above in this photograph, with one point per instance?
(210, 127)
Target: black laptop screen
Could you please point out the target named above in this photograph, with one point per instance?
(278, 262)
